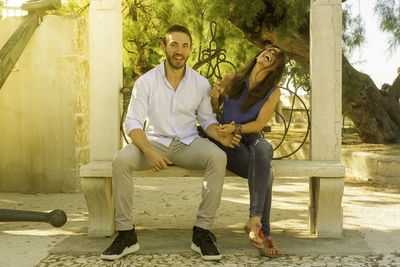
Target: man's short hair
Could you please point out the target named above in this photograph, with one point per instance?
(177, 28)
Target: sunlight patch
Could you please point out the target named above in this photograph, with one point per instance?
(36, 232)
(236, 200)
(148, 187)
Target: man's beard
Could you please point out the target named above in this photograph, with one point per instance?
(172, 64)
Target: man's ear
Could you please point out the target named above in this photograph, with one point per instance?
(163, 46)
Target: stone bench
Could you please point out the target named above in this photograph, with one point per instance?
(326, 191)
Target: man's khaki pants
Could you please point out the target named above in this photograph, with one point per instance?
(200, 154)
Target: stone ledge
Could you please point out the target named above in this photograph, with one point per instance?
(282, 168)
(371, 166)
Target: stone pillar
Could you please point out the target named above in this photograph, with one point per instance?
(105, 78)
(326, 109)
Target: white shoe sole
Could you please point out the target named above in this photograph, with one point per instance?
(126, 251)
(207, 257)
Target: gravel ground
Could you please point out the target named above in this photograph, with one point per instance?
(227, 260)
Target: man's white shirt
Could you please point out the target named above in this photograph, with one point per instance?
(170, 114)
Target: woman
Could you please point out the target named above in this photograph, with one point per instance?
(249, 98)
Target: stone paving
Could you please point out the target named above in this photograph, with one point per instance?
(371, 228)
(236, 260)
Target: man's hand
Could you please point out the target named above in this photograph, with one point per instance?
(226, 129)
(230, 140)
(157, 161)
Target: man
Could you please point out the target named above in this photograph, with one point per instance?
(170, 98)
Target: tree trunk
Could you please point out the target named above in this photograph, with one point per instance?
(376, 117)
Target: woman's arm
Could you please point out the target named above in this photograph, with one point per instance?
(265, 114)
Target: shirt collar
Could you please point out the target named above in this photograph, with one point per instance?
(185, 77)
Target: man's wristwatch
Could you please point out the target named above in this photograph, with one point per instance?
(238, 129)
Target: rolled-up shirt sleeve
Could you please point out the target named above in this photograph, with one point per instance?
(138, 107)
(205, 114)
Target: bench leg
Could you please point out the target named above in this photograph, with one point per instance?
(325, 206)
(99, 199)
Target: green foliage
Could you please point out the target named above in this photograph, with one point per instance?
(142, 35)
(296, 14)
(241, 9)
(388, 12)
(353, 31)
(286, 16)
(74, 7)
(296, 75)
(389, 15)
(145, 21)
(1, 7)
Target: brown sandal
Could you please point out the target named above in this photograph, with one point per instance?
(255, 234)
(270, 249)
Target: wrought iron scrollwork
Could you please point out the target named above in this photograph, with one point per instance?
(213, 52)
(288, 124)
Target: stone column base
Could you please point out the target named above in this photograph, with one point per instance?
(99, 198)
(325, 207)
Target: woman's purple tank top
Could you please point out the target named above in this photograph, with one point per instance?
(233, 112)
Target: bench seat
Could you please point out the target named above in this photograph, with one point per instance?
(282, 168)
(326, 192)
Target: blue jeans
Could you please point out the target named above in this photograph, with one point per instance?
(252, 160)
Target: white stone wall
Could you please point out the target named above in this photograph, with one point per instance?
(44, 135)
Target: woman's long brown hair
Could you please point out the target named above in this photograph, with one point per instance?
(262, 88)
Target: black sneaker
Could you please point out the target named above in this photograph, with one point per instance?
(125, 243)
(203, 243)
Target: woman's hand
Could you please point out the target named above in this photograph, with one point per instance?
(217, 90)
(230, 140)
(226, 135)
(226, 129)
